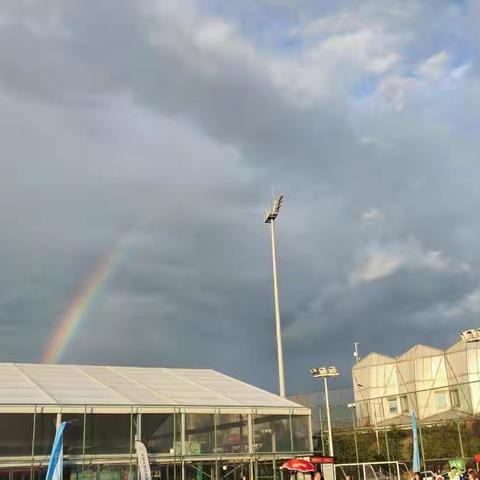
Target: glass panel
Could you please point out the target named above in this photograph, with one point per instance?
(71, 472)
(21, 474)
(87, 473)
(39, 473)
(272, 433)
(301, 442)
(392, 406)
(84, 473)
(112, 472)
(199, 434)
(455, 398)
(232, 433)
(5, 474)
(45, 426)
(265, 471)
(73, 434)
(200, 471)
(107, 433)
(158, 433)
(441, 399)
(173, 472)
(16, 431)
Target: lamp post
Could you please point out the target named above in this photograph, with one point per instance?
(326, 372)
(270, 218)
(352, 407)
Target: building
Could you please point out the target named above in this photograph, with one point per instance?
(195, 423)
(438, 384)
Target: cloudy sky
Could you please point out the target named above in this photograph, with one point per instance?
(159, 129)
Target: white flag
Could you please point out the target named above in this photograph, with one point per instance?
(143, 463)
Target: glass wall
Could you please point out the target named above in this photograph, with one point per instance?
(300, 433)
(271, 433)
(199, 434)
(45, 426)
(23, 474)
(16, 434)
(200, 471)
(73, 433)
(161, 433)
(108, 433)
(232, 433)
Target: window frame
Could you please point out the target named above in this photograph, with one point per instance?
(455, 398)
(393, 402)
(440, 394)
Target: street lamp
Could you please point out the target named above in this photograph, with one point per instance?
(270, 218)
(352, 407)
(326, 372)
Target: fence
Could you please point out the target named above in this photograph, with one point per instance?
(450, 435)
(372, 471)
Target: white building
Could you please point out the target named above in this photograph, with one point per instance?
(195, 423)
(439, 385)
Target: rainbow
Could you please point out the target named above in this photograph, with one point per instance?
(79, 306)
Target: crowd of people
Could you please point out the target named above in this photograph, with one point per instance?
(453, 474)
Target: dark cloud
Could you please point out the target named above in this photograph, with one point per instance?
(160, 129)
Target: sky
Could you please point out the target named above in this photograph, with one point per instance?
(153, 133)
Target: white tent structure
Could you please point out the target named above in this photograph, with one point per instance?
(439, 385)
(194, 422)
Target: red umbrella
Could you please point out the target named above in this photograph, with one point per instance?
(299, 465)
(234, 438)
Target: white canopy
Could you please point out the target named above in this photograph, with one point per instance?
(38, 384)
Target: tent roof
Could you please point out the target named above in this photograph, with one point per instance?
(30, 384)
(462, 345)
(420, 351)
(372, 359)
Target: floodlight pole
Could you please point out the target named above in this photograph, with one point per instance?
(270, 218)
(278, 326)
(329, 422)
(325, 373)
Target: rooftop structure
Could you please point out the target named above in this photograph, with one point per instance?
(437, 384)
(27, 385)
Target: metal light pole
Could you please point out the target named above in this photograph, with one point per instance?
(326, 372)
(329, 421)
(270, 218)
(356, 355)
(352, 407)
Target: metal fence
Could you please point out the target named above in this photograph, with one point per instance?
(453, 436)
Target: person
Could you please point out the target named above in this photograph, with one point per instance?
(438, 474)
(417, 476)
(453, 474)
(472, 474)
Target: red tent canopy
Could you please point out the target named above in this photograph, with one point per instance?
(299, 465)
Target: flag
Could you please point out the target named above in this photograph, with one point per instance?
(143, 463)
(416, 452)
(55, 464)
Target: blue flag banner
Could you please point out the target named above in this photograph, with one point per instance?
(55, 464)
(416, 452)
